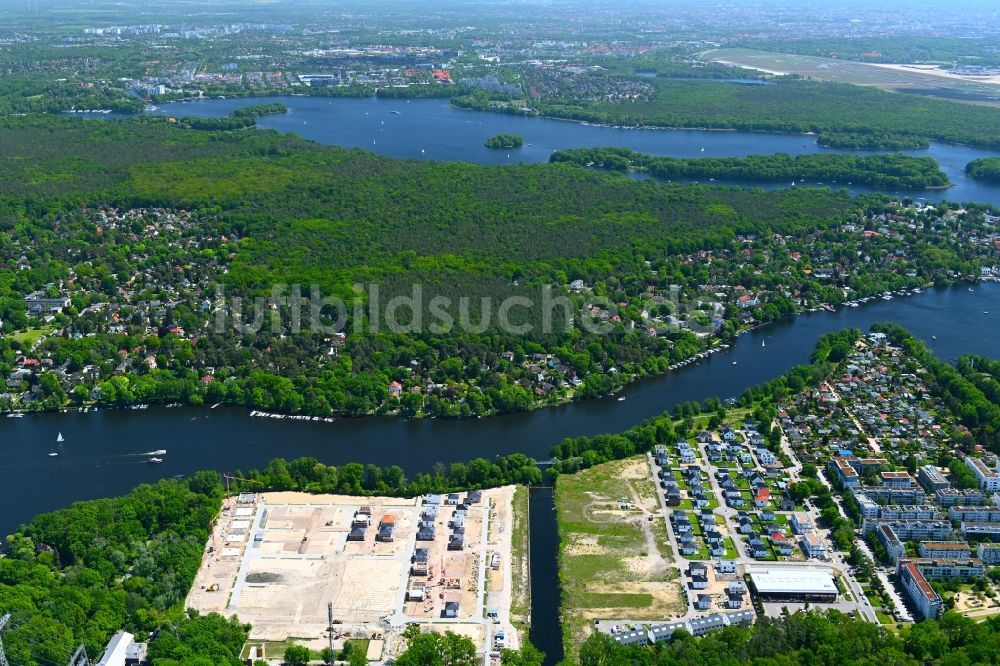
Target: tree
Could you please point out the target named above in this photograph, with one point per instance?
(297, 655)
(528, 655)
(434, 649)
(353, 654)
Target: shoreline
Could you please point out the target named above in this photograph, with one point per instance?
(703, 355)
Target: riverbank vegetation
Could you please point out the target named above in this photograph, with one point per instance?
(785, 105)
(242, 118)
(884, 171)
(872, 141)
(310, 475)
(505, 141)
(577, 453)
(177, 224)
(986, 169)
(79, 574)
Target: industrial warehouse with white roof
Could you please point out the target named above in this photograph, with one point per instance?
(793, 584)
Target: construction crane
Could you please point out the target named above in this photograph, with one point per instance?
(329, 613)
(79, 658)
(230, 477)
(211, 527)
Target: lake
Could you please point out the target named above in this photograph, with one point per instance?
(433, 129)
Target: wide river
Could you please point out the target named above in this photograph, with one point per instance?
(101, 455)
(433, 129)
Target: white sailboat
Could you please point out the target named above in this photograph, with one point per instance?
(763, 343)
(59, 438)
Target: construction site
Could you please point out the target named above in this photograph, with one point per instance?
(317, 570)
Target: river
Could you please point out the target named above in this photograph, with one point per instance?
(102, 452)
(433, 129)
(99, 456)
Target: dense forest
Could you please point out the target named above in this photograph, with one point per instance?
(986, 169)
(884, 171)
(785, 105)
(234, 214)
(80, 574)
(871, 141)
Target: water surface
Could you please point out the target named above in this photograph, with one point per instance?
(433, 129)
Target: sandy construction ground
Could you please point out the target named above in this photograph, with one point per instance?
(281, 561)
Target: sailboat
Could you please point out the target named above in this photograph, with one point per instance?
(763, 343)
(59, 438)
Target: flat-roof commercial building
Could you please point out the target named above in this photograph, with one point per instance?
(793, 584)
